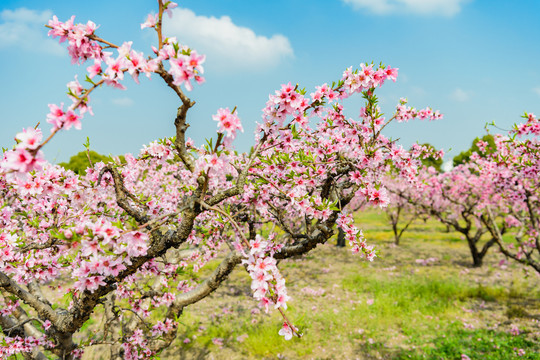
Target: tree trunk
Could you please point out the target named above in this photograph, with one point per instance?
(397, 234)
(341, 238)
(477, 256)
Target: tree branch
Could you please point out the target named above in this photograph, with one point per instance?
(44, 310)
(122, 195)
(181, 119)
(207, 286)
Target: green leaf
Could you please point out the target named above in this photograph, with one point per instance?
(89, 80)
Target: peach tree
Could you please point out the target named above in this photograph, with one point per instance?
(121, 243)
(514, 167)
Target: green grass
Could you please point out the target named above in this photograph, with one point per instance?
(478, 345)
(428, 294)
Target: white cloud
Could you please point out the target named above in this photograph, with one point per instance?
(460, 95)
(419, 7)
(124, 101)
(226, 44)
(24, 29)
(537, 90)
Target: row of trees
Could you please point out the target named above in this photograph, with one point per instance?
(491, 195)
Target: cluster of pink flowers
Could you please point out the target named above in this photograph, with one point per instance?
(286, 101)
(267, 283)
(81, 46)
(228, 122)
(214, 164)
(91, 273)
(24, 157)
(375, 196)
(287, 330)
(162, 327)
(355, 236)
(185, 63)
(16, 346)
(9, 307)
(158, 150)
(59, 118)
(531, 126)
(322, 92)
(128, 60)
(136, 347)
(405, 113)
(367, 78)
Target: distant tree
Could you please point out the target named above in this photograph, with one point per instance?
(456, 199)
(79, 163)
(465, 156)
(514, 170)
(402, 210)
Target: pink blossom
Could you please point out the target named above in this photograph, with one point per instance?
(286, 331)
(391, 73)
(281, 301)
(257, 245)
(195, 61)
(22, 160)
(150, 22)
(75, 89)
(56, 115)
(136, 244)
(72, 119)
(95, 69)
(168, 6)
(90, 283)
(228, 122)
(29, 138)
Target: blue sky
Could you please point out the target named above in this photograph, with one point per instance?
(476, 61)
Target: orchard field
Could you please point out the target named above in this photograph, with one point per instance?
(419, 300)
(195, 249)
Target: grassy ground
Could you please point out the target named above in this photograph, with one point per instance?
(420, 300)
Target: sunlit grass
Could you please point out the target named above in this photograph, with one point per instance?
(477, 344)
